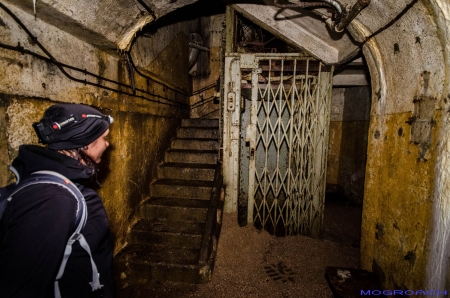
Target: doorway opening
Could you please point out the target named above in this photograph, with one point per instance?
(347, 155)
(346, 145)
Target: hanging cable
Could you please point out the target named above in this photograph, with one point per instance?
(202, 102)
(61, 66)
(22, 50)
(145, 6)
(301, 4)
(354, 11)
(340, 19)
(136, 69)
(391, 22)
(150, 78)
(209, 113)
(204, 89)
(130, 71)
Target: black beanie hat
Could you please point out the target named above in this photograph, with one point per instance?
(70, 126)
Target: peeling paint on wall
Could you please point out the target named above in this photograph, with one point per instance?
(400, 186)
(422, 120)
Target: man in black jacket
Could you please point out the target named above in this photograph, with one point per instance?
(39, 220)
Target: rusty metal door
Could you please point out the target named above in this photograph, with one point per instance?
(287, 141)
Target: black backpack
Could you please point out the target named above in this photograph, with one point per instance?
(49, 177)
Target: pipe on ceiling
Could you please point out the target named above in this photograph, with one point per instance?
(354, 11)
(340, 19)
(301, 4)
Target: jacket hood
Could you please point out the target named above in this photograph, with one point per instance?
(33, 158)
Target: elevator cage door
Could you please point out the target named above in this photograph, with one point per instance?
(285, 112)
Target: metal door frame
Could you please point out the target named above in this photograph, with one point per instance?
(297, 223)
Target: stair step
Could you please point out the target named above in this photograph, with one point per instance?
(191, 156)
(187, 171)
(214, 123)
(197, 133)
(194, 144)
(161, 254)
(173, 209)
(185, 227)
(158, 262)
(188, 189)
(164, 244)
(169, 233)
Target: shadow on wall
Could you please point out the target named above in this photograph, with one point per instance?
(353, 149)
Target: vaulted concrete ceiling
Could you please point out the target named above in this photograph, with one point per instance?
(111, 24)
(107, 24)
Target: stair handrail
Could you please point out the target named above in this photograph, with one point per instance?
(213, 225)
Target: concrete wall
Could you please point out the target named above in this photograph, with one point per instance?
(408, 62)
(164, 55)
(334, 143)
(438, 268)
(142, 127)
(204, 85)
(406, 210)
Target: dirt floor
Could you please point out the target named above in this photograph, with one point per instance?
(252, 263)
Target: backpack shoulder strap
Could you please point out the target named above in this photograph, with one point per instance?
(81, 218)
(50, 177)
(44, 177)
(76, 236)
(5, 198)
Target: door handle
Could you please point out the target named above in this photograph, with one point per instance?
(242, 104)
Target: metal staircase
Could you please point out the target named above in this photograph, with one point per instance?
(175, 236)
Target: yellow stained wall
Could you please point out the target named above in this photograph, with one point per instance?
(142, 129)
(138, 141)
(137, 146)
(397, 208)
(405, 63)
